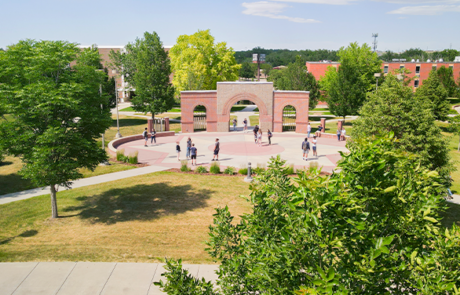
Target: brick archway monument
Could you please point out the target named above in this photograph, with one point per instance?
(218, 104)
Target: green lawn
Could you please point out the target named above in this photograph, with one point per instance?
(237, 108)
(140, 219)
(453, 101)
(253, 120)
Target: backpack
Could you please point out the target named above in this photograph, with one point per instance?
(144, 133)
(305, 145)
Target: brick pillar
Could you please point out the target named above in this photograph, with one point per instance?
(323, 124)
(166, 124)
(339, 125)
(150, 125)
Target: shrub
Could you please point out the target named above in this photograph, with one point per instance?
(184, 166)
(215, 168)
(229, 170)
(201, 169)
(132, 159)
(290, 169)
(243, 171)
(121, 155)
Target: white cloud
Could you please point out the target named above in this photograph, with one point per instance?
(420, 1)
(426, 9)
(327, 2)
(272, 10)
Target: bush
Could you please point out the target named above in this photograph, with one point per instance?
(260, 169)
(290, 169)
(229, 170)
(184, 166)
(215, 168)
(201, 169)
(121, 155)
(132, 159)
(243, 171)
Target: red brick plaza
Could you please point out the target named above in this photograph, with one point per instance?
(218, 104)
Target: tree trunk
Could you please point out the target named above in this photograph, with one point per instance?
(54, 210)
(343, 124)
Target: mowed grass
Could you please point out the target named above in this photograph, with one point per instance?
(140, 219)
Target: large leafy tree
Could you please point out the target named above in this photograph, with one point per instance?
(199, 63)
(56, 111)
(394, 108)
(372, 228)
(345, 89)
(297, 77)
(449, 54)
(247, 71)
(435, 92)
(446, 75)
(146, 66)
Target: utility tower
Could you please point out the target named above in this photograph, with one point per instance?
(375, 41)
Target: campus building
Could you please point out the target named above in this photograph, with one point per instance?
(419, 70)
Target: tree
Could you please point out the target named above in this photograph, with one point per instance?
(394, 108)
(372, 228)
(433, 91)
(446, 75)
(345, 89)
(199, 63)
(247, 71)
(449, 54)
(297, 77)
(454, 127)
(56, 111)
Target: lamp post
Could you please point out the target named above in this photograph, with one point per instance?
(377, 76)
(118, 135)
(103, 163)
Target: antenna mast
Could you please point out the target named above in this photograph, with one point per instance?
(375, 41)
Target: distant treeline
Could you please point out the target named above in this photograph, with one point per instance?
(283, 57)
(447, 55)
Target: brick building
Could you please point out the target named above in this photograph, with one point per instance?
(419, 70)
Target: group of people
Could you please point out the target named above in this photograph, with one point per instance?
(192, 151)
(341, 133)
(258, 135)
(153, 135)
(306, 147)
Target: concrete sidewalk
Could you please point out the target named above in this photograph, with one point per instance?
(88, 278)
(81, 183)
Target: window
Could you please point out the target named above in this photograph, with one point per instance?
(416, 82)
(433, 68)
(401, 66)
(385, 69)
(417, 69)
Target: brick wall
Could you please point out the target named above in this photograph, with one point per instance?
(299, 100)
(191, 99)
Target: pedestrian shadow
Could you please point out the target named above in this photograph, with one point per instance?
(140, 202)
(451, 215)
(26, 234)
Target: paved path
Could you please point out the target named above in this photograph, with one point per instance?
(81, 183)
(88, 278)
(455, 199)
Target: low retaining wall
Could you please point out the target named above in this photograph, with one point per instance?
(117, 142)
(329, 135)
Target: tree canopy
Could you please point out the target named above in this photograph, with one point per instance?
(199, 63)
(446, 75)
(297, 77)
(56, 110)
(417, 53)
(433, 91)
(247, 70)
(394, 108)
(372, 228)
(345, 89)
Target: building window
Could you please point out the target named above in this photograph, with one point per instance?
(417, 69)
(401, 67)
(416, 82)
(433, 68)
(385, 69)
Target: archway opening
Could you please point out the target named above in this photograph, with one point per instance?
(289, 118)
(199, 118)
(243, 110)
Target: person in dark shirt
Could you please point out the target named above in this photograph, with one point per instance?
(145, 135)
(178, 151)
(193, 152)
(216, 150)
(256, 130)
(269, 134)
(189, 146)
(305, 149)
(154, 137)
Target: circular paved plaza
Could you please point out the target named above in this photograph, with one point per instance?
(236, 149)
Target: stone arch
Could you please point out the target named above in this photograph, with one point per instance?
(245, 96)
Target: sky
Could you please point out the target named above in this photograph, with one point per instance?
(274, 24)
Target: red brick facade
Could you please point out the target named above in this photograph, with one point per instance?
(218, 104)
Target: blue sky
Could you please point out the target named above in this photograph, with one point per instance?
(292, 24)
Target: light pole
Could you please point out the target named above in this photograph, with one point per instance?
(104, 163)
(118, 135)
(377, 76)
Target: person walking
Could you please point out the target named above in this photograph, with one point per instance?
(145, 134)
(308, 130)
(339, 133)
(314, 146)
(178, 151)
(189, 146)
(269, 135)
(245, 128)
(154, 137)
(259, 137)
(193, 152)
(305, 149)
(343, 133)
(216, 150)
(234, 124)
(256, 129)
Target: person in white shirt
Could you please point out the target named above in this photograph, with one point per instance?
(314, 142)
(343, 134)
(308, 130)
